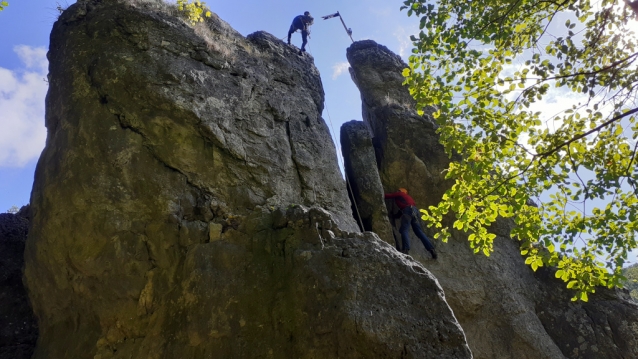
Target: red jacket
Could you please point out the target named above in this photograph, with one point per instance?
(402, 200)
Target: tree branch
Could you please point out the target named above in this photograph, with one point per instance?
(598, 128)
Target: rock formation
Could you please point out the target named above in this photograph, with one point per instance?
(505, 309)
(604, 327)
(18, 327)
(188, 204)
(364, 183)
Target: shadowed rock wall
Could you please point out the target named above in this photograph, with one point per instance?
(505, 309)
(18, 327)
(188, 204)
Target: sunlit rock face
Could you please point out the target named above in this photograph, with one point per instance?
(188, 204)
(505, 309)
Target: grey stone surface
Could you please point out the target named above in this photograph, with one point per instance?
(18, 326)
(361, 171)
(505, 309)
(604, 327)
(188, 204)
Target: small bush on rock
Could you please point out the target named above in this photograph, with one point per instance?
(194, 11)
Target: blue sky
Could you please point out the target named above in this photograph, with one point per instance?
(26, 24)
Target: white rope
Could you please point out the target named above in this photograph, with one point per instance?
(345, 172)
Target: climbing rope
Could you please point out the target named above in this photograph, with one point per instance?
(345, 172)
(285, 40)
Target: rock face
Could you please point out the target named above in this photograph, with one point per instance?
(604, 327)
(505, 309)
(364, 182)
(18, 327)
(188, 204)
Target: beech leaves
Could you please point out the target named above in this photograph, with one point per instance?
(489, 70)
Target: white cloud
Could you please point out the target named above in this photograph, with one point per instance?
(402, 35)
(33, 57)
(339, 68)
(22, 93)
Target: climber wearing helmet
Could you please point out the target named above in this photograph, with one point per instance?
(301, 22)
(409, 218)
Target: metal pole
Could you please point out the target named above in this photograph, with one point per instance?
(348, 31)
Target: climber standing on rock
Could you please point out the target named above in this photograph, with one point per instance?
(410, 218)
(301, 22)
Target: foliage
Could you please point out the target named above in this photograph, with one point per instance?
(194, 11)
(484, 66)
(631, 273)
(3, 4)
(13, 209)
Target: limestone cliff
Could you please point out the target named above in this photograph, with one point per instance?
(188, 204)
(505, 309)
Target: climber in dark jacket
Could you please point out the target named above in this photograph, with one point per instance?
(409, 217)
(301, 22)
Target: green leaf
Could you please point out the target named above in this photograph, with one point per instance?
(503, 154)
(534, 266)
